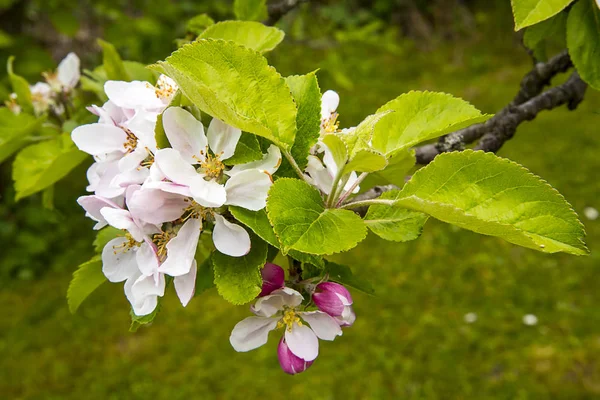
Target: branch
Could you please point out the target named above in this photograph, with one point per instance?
(278, 10)
(532, 85)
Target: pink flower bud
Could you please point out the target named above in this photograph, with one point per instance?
(273, 279)
(290, 363)
(335, 300)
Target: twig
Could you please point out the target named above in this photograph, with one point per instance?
(278, 10)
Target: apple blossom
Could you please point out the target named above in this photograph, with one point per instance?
(335, 300)
(289, 362)
(273, 278)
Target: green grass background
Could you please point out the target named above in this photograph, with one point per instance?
(410, 340)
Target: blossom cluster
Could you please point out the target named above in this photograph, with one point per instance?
(163, 198)
(279, 306)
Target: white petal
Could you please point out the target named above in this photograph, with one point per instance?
(132, 95)
(324, 325)
(207, 193)
(118, 261)
(99, 138)
(269, 305)
(319, 174)
(251, 333)
(92, 206)
(132, 160)
(182, 248)
(329, 103)
(351, 180)
(230, 239)
(269, 163)
(169, 187)
(175, 168)
(147, 259)
(185, 133)
(303, 342)
(222, 138)
(186, 284)
(143, 293)
(105, 174)
(248, 189)
(122, 219)
(68, 71)
(156, 206)
(134, 176)
(143, 125)
(115, 114)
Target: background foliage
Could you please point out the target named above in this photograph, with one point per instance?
(411, 339)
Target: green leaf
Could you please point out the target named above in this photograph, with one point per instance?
(360, 137)
(253, 35)
(112, 63)
(139, 72)
(21, 88)
(583, 40)
(343, 274)
(301, 222)
(394, 223)
(15, 130)
(40, 165)
(307, 95)
(221, 78)
(398, 167)
(205, 277)
(366, 161)
(494, 196)
(86, 279)
(247, 150)
(199, 23)
(104, 236)
(250, 10)
(537, 37)
(238, 279)
(530, 12)
(421, 116)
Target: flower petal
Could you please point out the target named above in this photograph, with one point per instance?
(319, 174)
(121, 219)
(118, 261)
(99, 138)
(303, 342)
(222, 138)
(147, 259)
(329, 103)
(155, 206)
(182, 248)
(324, 325)
(248, 189)
(175, 168)
(207, 193)
(288, 361)
(92, 206)
(269, 305)
(230, 239)
(269, 163)
(143, 293)
(251, 333)
(186, 284)
(68, 71)
(142, 125)
(273, 278)
(185, 133)
(132, 95)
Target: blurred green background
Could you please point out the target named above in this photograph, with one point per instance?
(411, 340)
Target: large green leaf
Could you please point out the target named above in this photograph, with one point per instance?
(253, 35)
(41, 165)
(583, 40)
(339, 273)
(301, 221)
(86, 279)
(21, 88)
(238, 279)
(15, 131)
(395, 223)
(530, 12)
(421, 116)
(494, 196)
(250, 10)
(236, 85)
(537, 37)
(398, 167)
(360, 137)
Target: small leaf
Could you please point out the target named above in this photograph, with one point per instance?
(252, 35)
(238, 279)
(247, 150)
(199, 23)
(222, 79)
(537, 37)
(583, 40)
(41, 165)
(394, 223)
(250, 10)
(360, 138)
(421, 116)
(21, 88)
(112, 63)
(530, 12)
(398, 167)
(301, 222)
(366, 161)
(104, 236)
(86, 279)
(15, 130)
(493, 196)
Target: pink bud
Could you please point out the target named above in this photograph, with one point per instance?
(290, 363)
(335, 300)
(273, 278)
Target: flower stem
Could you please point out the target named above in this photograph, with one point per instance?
(294, 165)
(365, 203)
(349, 191)
(334, 188)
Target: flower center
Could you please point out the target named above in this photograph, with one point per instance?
(148, 161)
(195, 210)
(165, 88)
(131, 141)
(161, 240)
(212, 166)
(330, 125)
(126, 246)
(289, 318)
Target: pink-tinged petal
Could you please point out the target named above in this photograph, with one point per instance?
(135, 176)
(132, 95)
(347, 318)
(144, 292)
(248, 189)
(133, 160)
(185, 133)
(230, 239)
(328, 302)
(207, 193)
(269, 163)
(99, 138)
(168, 187)
(269, 305)
(121, 219)
(222, 138)
(104, 116)
(182, 248)
(336, 288)
(92, 206)
(147, 259)
(302, 342)
(68, 72)
(174, 167)
(101, 175)
(251, 333)
(118, 261)
(155, 206)
(273, 278)
(116, 115)
(329, 103)
(324, 325)
(186, 284)
(156, 175)
(289, 362)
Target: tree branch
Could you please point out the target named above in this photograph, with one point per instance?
(278, 10)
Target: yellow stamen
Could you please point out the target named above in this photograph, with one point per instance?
(331, 124)
(289, 318)
(126, 246)
(165, 88)
(132, 140)
(211, 166)
(161, 240)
